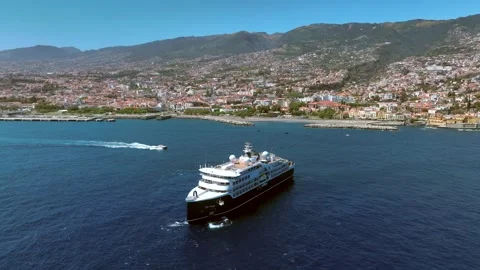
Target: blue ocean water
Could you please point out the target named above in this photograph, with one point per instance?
(84, 196)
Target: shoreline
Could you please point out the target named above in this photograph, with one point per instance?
(328, 121)
(231, 120)
(353, 126)
(248, 121)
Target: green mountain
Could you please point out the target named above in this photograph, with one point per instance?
(384, 43)
(371, 46)
(39, 52)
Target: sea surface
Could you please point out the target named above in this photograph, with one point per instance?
(99, 196)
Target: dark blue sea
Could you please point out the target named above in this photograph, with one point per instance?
(94, 196)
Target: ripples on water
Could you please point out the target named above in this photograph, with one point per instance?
(405, 200)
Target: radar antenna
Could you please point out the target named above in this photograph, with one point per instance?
(248, 148)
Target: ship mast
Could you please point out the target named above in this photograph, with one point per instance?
(248, 149)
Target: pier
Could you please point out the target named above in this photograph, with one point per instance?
(128, 116)
(387, 123)
(352, 126)
(55, 119)
(49, 119)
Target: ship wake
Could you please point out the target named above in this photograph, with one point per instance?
(178, 224)
(134, 145)
(75, 143)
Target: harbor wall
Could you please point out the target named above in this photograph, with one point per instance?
(215, 119)
(350, 126)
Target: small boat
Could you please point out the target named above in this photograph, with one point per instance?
(161, 146)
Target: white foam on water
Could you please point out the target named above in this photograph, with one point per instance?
(225, 222)
(178, 224)
(469, 130)
(134, 145)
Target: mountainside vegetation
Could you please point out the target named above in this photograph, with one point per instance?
(363, 49)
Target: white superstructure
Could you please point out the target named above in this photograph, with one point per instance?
(239, 175)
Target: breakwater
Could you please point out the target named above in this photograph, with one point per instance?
(164, 117)
(352, 126)
(130, 116)
(49, 119)
(215, 119)
(387, 123)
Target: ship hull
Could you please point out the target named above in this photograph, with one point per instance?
(207, 210)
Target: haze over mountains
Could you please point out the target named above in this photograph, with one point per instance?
(378, 43)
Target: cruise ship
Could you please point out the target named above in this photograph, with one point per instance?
(229, 186)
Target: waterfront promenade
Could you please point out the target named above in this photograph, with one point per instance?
(48, 119)
(228, 120)
(232, 120)
(353, 126)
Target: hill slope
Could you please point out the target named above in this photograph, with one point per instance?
(39, 52)
(372, 46)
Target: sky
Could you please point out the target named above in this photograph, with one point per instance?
(94, 24)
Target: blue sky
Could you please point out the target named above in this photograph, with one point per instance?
(93, 24)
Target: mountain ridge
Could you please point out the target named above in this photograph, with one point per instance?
(387, 42)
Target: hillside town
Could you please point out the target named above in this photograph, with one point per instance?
(431, 89)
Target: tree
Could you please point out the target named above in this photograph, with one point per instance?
(403, 97)
(245, 113)
(133, 85)
(294, 94)
(49, 87)
(468, 101)
(46, 108)
(263, 109)
(197, 111)
(476, 105)
(405, 71)
(294, 107)
(376, 98)
(275, 108)
(328, 113)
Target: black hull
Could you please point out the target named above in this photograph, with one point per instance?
(208, 210)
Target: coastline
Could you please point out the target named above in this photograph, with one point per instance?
(327, 121)
(353, 126)
(316, 123)
(236, 121)
(231, 120)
